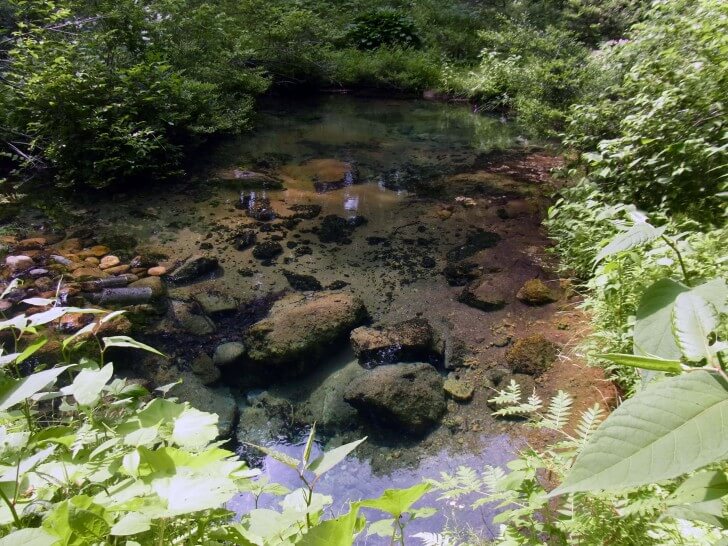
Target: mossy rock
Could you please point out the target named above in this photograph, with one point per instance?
(535, 292)
(532, 355)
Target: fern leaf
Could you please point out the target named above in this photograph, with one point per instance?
(433, 539)
(559, 411)
(588, 423)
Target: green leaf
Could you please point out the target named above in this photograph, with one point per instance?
(278, 456)
(87, 524)
(639, 234)
(31, 349)
(15, 391)
(340, 531)
(309, 445)
(29, 537)
(88, 384)
(653, 334)
(694, 319)
(126, 341)
(710, 512)
(330, 459)
(703, 486)
(674, 427)
(194, 429)
(644, 362)
(381, 528)
(397, 501)
(187, 494)
(131, 523)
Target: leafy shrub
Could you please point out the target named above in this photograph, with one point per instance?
(656, 136)
(383, 27)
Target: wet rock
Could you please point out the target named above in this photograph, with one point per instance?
(337, 285)
(228, 353)
(33, 243)
(410, 340)
(267, 250)
(245, 239)
(532, 355)
(108, 282)
(458, 389)
(156, 271)
(328, 174)
(125, 296)
(428, 262)
(219, 401)
(193, 323)
(305, 212)
(97, 251)
(61, 259)
(535, 292)
(298, 330)
(335, 229)
(195, 267)
(213, 303)
(304, 283)
(303, 251)
(38, 272)
(326, 403)
(485, 294)
(18, 263)
(204, 368)
(88, 273)
(157, 286)
(408, 397)
(461, 273)
(474, 243)
(109, 261)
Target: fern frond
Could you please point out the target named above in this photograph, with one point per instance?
(492, 475)
(559, 411)
(433, 539)
(588, 423)
(510, 396)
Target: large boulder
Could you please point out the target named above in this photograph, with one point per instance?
(408, 397)
(298, 330)
(410, 340)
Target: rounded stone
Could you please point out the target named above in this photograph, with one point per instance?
(228, 353)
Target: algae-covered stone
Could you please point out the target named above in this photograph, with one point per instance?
(195, 267)
(486, 294)
(532, 355)
(458, 389)
(204, 368)
(299, 329)
(408, 397)
(405, 341)
(193, 323)
(213, 303)
(155, 284)
(535, 292)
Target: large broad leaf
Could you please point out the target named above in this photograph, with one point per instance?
(644, 362)
(131, 524)
(88, 385)
(187, 494)
(693, 320)
(330, 459)
(398, 501)
(710, 512)
(194, 429)
(653, 330)
(676, 426)
(126, 341)
(639, 234)
(14, 392)
(335, 532)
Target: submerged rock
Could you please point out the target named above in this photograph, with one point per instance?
(474, 243)
(267, 250)
(532, 355)
(228, 353)
(328, 174)
(535, 292)
(485, 294)
(304, 283)
(213, 303)
(257, 207)
(298, 330)
(461, 273)
(155, 284)
(204, 368)
(305, 211)
(408, 397)
(410, 340)
(335, 229)
(193, 323)
(195, 267)
(245, 239)
(458, 389)
(249, 180)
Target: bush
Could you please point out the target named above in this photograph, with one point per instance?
(383, 27)
(656, 136)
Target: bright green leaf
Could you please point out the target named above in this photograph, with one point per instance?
(330, 459)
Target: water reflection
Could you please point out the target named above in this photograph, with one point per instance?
(354, 479)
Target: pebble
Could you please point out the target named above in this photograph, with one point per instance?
(17, 263)
(92, 260)
(38, 272)
(157, 271)
(61, 259)
(118, 270)
(109, 261)
(34, 243)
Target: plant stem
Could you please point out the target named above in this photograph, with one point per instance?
(673, 246)
(11, 506)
